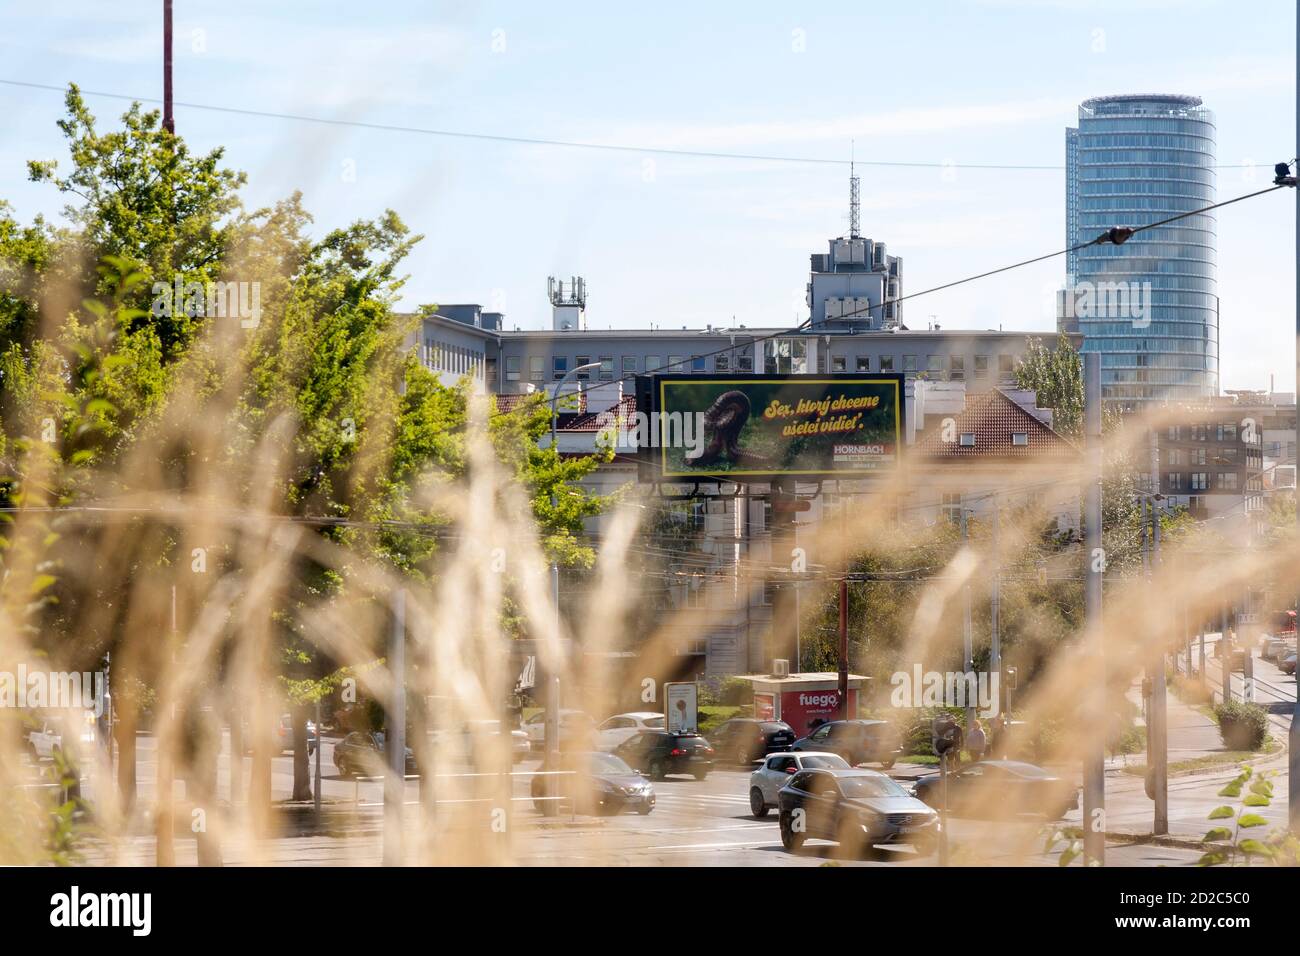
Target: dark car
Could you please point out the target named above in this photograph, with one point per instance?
(747, 739)
(857, 741)
(661, 752)
(361, 754)
(596, 783)
(995, 788)
(855, 808)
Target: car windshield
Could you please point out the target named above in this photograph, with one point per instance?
(655, 723)
(856, 787)
(825, 762)
(607, 764)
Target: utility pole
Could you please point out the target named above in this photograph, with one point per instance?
(1094, 756)
(995, 605)
(395, 738)
(1225, 652)
(967, 638)
(844, 646)
(1158, 751)
(1293, 735)
(169, 119)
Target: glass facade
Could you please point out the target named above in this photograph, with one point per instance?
(1149, 306)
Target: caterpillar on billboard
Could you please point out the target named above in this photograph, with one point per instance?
(840, 426)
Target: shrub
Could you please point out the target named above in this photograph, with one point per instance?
(1242, 726)
(736, 691)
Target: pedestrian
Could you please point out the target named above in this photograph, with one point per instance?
(976, 742)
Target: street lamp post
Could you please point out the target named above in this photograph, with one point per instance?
(552, 728)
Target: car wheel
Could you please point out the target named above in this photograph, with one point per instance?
(700, 774)
(644, 809)
(657, 770)
(342, 766)
(743, 756)
(926, 846)
(852, 841)
(757, 805)
(886, 764)
(790, 839)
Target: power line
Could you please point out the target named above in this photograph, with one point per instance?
(567, 144)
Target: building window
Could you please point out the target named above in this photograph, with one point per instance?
(747, 363)
(1227, 481)
(652, 363)
(695, 591)
(676, 363)
(629, 364)
(957, 368)
(559, 366)
(909, 363)
(981, 366)
(967, 440)
(1175, 481)
(839, 363)
(698, 363)
(1020, 438)
(950, 506)
(785, 357)
(722, 363)
(767, 596)
(512, 368)
(1228, 432)
(607, 368)
(1175, 456)
(1196, 456)
(864, 363)
(1175, 433)
(886, 363)
(1200, 481)
(536, 368)
(580, 361)
(1006, 365)
(934, 364)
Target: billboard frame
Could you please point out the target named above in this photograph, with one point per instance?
(650, 398)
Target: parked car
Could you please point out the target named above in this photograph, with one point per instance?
(620, 727)
(993, 788)
(857, 741)
(660, 753)
(577, 730)
(747, 739)
(766, 782)
(1287, 664)
(595, 782)
(1274, 649)
(464, 744)
(361, 754)
(284, 734)
(47, 738)
(856, 809)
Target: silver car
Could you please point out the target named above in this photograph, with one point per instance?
(776, 771)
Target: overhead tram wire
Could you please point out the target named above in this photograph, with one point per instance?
(1117, 235)
(564, 144)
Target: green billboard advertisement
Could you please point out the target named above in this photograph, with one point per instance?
(840, 426)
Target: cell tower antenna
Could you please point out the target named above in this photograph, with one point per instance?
(854, 202)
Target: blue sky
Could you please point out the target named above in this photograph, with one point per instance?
(686, 240)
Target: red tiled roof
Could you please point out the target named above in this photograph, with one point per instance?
(992, 418)
(599, 421)
(508, 403)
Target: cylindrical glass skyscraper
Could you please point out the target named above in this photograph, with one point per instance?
(1149, 306)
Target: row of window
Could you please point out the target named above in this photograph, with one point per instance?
(1200, 481)
(1212, 431)
(455, 359)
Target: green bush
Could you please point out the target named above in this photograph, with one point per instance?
(1242, 726)
(735, 691)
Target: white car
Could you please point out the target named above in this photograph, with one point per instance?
(49, 738)
(461, 744)
(575, 730)
(622, 727)
(776, 771)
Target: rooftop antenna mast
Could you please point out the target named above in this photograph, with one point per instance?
(854, 203)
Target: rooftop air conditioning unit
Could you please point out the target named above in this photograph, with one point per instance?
(780, 668)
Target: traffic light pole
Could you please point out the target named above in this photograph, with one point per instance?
(1094, 744)
(1293, 736)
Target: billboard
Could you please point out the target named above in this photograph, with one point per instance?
(769, 426)
(681, 708)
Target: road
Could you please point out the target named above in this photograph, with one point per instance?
(695, 823)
